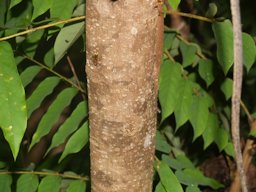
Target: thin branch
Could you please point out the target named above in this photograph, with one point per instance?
(73, 71)
(248, 114)
(55, 73)
(43, 27)
(69, 176)
(237, 88)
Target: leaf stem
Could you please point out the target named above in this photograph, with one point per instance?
(55, 73)
(69, 176)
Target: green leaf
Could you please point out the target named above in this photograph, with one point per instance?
(195, 177)
(184, 102)
(160, 188)
(168, 179)
(192, 189)
(14, 2)
(50, 184)
(253, 133)
(222, 139)
(229, 149)
(174, 3)
(49, 58)
(27, 183)
(180, 162)
(76, 186)
(67, 36)
(224, 36)
(169, 84)
(199, 111)
(62, 9)
(40, 7)
(13, 111)
(79, 11)
(5, 183)
(168, 40)
(29, 74)
(53, 113)
(226, 88)
(161, 143)
(77, 141)
(188, 52)
(210, 132)
(249, 51)
(70, 125)
(206, 71)
(43, 89)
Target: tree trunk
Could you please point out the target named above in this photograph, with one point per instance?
(122, 52)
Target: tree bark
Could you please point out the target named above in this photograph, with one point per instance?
(122, 66)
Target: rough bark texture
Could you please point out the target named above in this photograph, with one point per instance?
(121, 70)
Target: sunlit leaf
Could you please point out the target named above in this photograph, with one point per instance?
(160, 188)
(13, 111)
(62, 9)
(77, 141)
(180, 162)
(174, 3)
(188, 52)
(29, 74)
(14, 2)
(192, 188)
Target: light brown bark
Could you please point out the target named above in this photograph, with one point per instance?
(122, 68)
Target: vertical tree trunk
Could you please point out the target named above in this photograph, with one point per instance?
(122, 57)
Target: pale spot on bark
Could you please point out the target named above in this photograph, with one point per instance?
(147, 141)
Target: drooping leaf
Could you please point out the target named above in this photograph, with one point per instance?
(224, 36)
(199, 111)
(169, 84)
(168, 40)
(43, 89)
(67, 36)
(206, 71)
(161, 143)
(5, 183)
(210, 132)
(14, 2)
(184, 102)
(222, 139)
(168, 179)
(50, 184)
(229, 149)
(62, 9)
(160, 188)
(174, 3)
(29, 74)
(40, 7)
(188, 52)
(13, 111)
(27, 183)
(70, 125)
(53, 113)
(180, 162)
(226, 88)
(77, 141)
(76, 186)
(192, 188)
(195, 177)
(249, 51)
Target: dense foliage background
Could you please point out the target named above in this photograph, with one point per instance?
(43, 106)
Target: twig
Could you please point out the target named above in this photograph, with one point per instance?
(55, 73)
(42, 27)
(73, 71)
(237, 87)
(69, 176)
